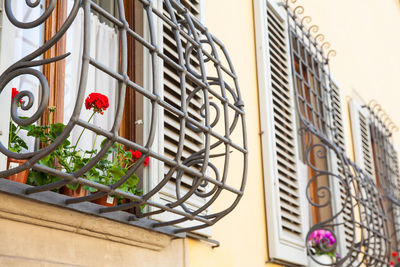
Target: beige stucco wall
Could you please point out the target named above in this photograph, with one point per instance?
(366, 36)
(242, 233)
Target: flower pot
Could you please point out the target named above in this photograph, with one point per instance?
(322, 260)
(79, 192)
(21, 177)
(106, 200)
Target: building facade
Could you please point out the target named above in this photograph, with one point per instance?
(263, 121)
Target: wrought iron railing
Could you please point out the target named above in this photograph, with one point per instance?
(385, 154)
(223, 125)
(344, 201)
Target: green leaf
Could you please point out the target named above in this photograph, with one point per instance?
(15, 149)
(47, 160)
(117, 172)
(57, 129)
(73, 187)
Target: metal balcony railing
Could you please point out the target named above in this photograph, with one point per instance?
(343, 199)
(222, 125)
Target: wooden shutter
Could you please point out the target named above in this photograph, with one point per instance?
(361, 137)
(170, 125)
(285, 205)
(346, 231)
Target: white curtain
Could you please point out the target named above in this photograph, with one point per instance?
(25, 41)
(104, 48)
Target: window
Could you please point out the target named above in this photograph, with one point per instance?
(375, 153)
(310, 183)
(183, 110)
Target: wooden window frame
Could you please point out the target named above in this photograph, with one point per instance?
(55, 72)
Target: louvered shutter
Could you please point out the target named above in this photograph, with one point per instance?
(284, 196)
(170, 125)
(361, 137)
(346, 230)
(363, 155)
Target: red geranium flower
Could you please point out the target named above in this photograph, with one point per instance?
(398, 259)
(146, 161)
(14, 93)
(136, 154)
(394, 254)
(391, 263)
(98, 102)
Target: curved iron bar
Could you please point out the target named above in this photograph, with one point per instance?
(198, 165)
(305, 20)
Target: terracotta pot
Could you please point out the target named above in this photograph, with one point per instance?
(79, 192)
(106, 200)
(21, 177)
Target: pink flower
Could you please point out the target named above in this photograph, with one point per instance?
(324, 236)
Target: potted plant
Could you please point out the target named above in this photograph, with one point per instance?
(322, 245)
(60, 158)
(70, 158)
(66, 157)
(109, 171)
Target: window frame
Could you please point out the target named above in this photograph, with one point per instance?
(55, 72)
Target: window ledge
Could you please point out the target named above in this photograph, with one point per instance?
(27, 211)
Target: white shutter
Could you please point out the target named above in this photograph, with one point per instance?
(361, 137)
(345, 231)
(363, 155)
(285, 203)
(169, 126)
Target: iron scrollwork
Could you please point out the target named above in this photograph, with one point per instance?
(208, 180)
